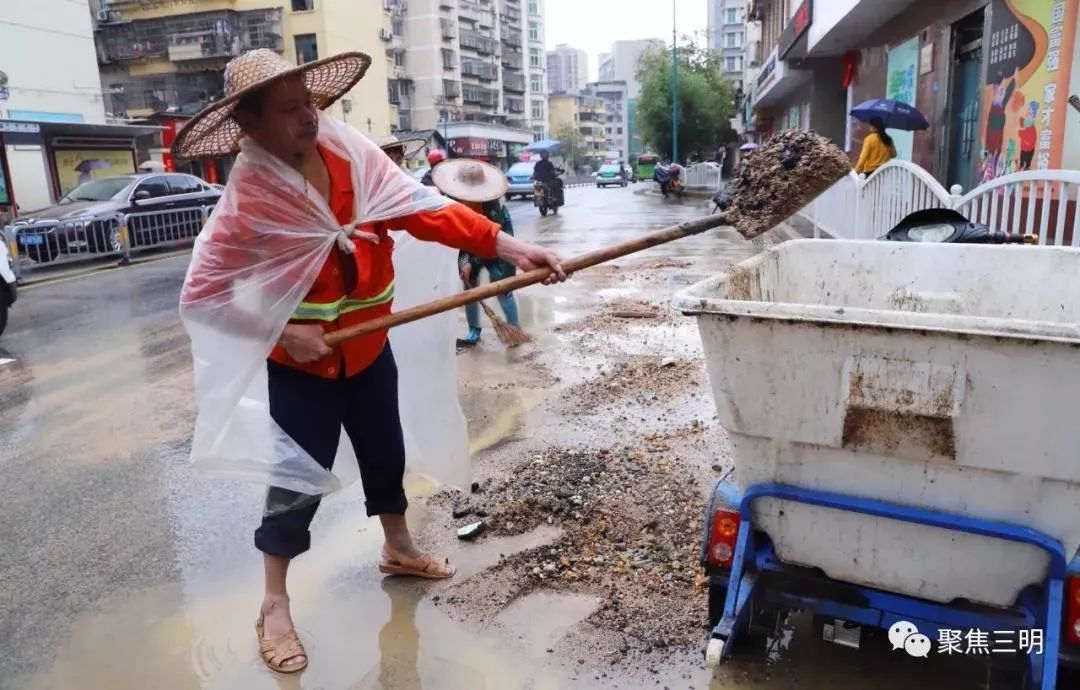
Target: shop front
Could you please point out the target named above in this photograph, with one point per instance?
(42, 161)
(501, 146)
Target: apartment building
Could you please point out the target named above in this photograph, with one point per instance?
(459, 66)
(616, 122)
(727, 37)
(53, 117)
(537, 105)
(621, 65)
(168, 56)
(567, 69)
(584, 112)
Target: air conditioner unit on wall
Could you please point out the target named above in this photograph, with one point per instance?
(386, 34)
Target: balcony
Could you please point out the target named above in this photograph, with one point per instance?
(515, 105)
(480, 96)
(514, 82)
(477, 68)
(451, 89)
(477, 41)
(188, 37)
(472, 11)
(512, 38)
(449, 28)
(512, 60)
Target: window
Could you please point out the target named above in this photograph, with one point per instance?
(536, 83)
(732, 39)
(184, 184)
(303, 5)
(534, 31)
(534, 7)
(156, 186)
(619, 130)
(733, 64)
(448, 59)
(733, 16)
(537, 110)
(307, 50)
(534, 57)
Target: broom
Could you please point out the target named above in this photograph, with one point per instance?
(776, 180)
(508, 335)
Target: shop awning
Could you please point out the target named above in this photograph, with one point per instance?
(35, 133)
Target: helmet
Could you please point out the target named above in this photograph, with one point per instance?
(436, 156)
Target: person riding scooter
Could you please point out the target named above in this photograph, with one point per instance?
(547, 174)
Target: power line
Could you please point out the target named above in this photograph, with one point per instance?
(48, 31)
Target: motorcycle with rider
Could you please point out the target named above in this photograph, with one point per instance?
(547, 185)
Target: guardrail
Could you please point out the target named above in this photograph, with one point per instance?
(1042, 202)
(704, 177)
(47, 243)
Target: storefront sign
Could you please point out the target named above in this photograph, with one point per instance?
(5, 196)
(477, 147)
(799, 25)
(74, 167)
(1030, 53)
(20, 127)
(767, 72)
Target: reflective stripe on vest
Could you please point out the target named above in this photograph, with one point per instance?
(330, 311)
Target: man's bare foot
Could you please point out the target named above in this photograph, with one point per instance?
(277, 620)
(399, 540)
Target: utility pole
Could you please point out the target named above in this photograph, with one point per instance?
(674, 88)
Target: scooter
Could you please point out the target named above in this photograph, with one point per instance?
(945, 225)
(545, 198)
(669, 177)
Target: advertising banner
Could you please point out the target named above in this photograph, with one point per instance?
(1029, 63)
(74, 167)
(901, 86)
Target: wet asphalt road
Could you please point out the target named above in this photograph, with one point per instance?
(123, 568)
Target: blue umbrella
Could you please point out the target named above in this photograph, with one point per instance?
(552, 146)
(894, 114)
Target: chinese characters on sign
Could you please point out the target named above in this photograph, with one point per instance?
(1003, 45)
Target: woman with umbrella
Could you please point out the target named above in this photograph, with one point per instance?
(878, 148)
(882, 114)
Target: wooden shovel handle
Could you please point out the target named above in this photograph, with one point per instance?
(501, 287)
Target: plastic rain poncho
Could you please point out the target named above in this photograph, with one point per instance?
(255, 261)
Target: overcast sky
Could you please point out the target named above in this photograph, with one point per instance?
(593, 25)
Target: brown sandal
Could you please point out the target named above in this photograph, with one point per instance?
(276, 652)
(427, 566)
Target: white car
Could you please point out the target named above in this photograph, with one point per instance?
(519, 180)
(8, 291)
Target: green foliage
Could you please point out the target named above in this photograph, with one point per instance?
(706, 100)
(573, 144)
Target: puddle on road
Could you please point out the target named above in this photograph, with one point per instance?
(539, 620)
(361, 631)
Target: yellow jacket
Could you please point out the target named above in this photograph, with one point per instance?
(874, 154)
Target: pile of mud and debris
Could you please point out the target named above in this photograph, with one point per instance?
(617, 315)
(630, 524)
(647, 380)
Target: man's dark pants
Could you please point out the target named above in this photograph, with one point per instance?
(312, 411)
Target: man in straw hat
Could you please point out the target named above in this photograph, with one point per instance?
(304, 223)
(400, 149)
(481, 187)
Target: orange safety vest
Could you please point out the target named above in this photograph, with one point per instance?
(369, 271)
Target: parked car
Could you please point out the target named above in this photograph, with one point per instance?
(88, 218)
(519, 180)
(610, 174)
(8, 291)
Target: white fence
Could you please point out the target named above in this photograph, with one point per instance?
(1036, 202)
(703, 177)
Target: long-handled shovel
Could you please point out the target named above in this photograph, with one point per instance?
(781, 177)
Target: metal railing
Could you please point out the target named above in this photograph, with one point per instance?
(703, 177)
(47, 243)
(1042, 202)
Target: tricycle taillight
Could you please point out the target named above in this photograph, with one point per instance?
(723, 533)
(1072, 610)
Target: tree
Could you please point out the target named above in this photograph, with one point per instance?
(706, 100)
(573, 144)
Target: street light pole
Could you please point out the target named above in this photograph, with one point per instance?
(674, 88)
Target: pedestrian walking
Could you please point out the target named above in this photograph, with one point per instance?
(298, 246)
(481, 187)
(877, 149)
(434, 157)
